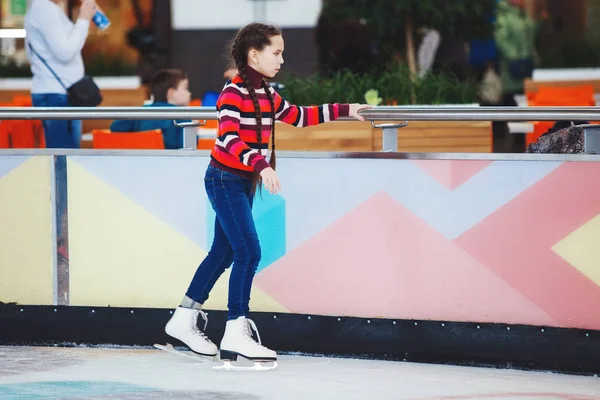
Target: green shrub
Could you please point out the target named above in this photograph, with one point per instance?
(393, 84)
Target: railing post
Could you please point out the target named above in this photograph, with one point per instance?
(389, 140)
(190, 134)
(591, 139)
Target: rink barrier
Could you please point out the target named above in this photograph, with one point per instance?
(524, 316)
(89, 291)
(571, 351)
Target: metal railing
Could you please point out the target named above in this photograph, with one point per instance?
(395, 113)
(390, 130)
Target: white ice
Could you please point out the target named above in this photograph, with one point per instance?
(121, 373)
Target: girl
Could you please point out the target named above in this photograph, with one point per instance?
(247, 109)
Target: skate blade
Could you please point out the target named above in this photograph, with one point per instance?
(189, 354)
(258, 366)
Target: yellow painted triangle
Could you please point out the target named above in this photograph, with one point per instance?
(120, 254)
(581, 249)
(259, 300)
(26, 275)
(124, 256)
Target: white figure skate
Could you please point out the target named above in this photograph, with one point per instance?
(182, 330)
(238, 342)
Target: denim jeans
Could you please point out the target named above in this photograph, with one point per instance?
(59, 133)
(236, 240)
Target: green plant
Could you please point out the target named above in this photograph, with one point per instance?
(395, 85)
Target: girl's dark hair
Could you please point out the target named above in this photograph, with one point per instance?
(255, 36)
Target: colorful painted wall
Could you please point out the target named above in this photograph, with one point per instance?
(26, 246)
(486, 241)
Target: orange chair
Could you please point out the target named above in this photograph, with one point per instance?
(5, 127)
(21, 100)
(25, 134)
(210, 124)
(22, 134)
(550, 96)
(207, 138)
(548, 93)
(146, 140)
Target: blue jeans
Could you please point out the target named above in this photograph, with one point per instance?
(235, 241)
(59, 133)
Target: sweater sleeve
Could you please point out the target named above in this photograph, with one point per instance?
(302, 116)
(64, 45)
(229, 115)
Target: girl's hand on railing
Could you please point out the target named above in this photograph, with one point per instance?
(355, 108)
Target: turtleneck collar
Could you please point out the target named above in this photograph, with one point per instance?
(255, 77)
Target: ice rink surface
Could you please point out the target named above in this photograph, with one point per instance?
(142, 374)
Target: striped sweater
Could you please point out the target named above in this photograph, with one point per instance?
(237, 149)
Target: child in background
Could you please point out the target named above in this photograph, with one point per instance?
(169, 88)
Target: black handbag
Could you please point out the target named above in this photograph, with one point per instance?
(83, 93)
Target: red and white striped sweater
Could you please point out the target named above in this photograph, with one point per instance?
(236, 149)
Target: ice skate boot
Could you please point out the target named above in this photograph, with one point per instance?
(238, 342)
(182, 330)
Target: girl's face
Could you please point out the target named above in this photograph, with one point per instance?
(268, 60)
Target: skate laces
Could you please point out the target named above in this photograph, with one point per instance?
(252, 326)
(205, 318)
(199, 332)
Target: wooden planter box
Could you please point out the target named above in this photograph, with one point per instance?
(418, 136)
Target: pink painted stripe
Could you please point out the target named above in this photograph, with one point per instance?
(516, 243)
(380, 260)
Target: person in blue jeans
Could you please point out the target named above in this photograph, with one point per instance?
(53, 49)
(59, 133)
(247, 109)
(169, 88)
